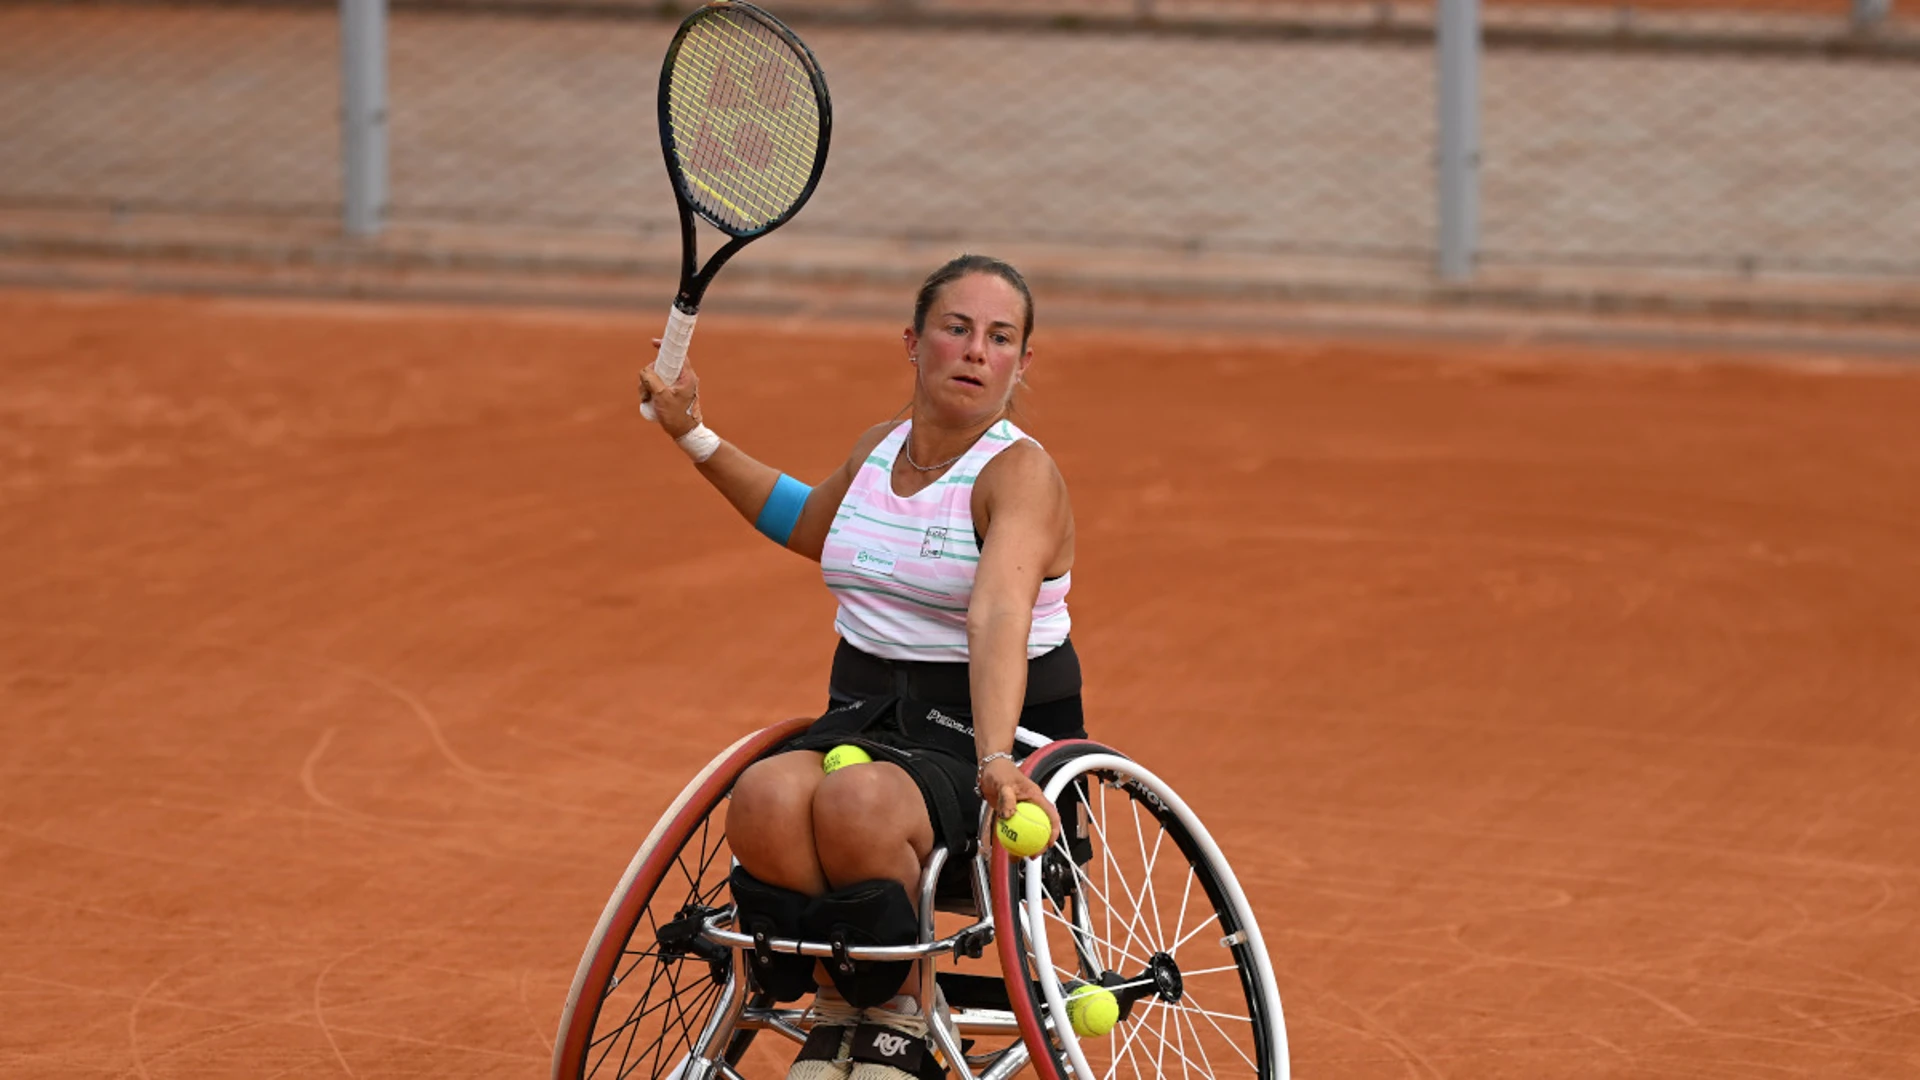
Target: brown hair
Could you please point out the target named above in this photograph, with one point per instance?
(960, 266)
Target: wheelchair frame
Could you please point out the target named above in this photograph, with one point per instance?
(1003, 890)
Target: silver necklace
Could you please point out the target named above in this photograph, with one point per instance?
(906, 448)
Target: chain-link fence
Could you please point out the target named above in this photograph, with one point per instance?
(1780, 134)
(1778, 137)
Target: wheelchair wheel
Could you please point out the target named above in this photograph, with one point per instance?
(646, 988)
(1136, 899)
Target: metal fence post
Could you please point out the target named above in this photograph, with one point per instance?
(363, 114)
(1458, 44)
(1868, 14)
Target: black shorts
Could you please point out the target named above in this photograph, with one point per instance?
(918, 715)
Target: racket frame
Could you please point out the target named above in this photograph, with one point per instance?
(694, 278)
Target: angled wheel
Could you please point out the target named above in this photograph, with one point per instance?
(1137, 901)
(646, 988)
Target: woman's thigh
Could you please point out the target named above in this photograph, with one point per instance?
(871, 821)
(770, 820)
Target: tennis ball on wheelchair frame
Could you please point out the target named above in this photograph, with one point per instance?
(1025, 833)
(1092, 1010)
(844, 755)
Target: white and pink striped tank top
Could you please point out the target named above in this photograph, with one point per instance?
(902, 568)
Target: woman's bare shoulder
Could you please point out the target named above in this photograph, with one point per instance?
(869, 439)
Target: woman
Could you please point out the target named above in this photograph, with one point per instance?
(948, 540)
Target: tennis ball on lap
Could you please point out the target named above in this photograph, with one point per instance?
(1092, 1010)
(1025, 833)
(844, 755)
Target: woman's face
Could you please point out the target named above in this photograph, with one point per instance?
(970, 354)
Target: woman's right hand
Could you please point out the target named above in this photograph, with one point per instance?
(1005, 787)
(677, 406)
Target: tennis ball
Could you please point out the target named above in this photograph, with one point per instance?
(844, 755)
(1092, 1010)
(1025, 833)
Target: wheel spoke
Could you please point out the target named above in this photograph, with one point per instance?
(1208, 1016)
(1159, 1059)
(1130, 926)
(1208, 921)
(1106, 866)
(1197, 1007)
(1199, 1043)
(1180, 921)
(1126, 1047)
(1138, 921)
(1156, 905)
(1117, 949)
(659, 999)
(1185, 974)
(1146, 873)
(1171, 1017)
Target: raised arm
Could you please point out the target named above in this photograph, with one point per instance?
(784, 509)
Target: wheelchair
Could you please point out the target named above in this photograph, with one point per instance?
(1134, 897)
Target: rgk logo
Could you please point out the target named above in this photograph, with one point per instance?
(891, 1045)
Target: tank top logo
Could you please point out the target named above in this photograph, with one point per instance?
(935, 540)
(874, 562)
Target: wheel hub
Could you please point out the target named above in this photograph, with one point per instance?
(1166, 978)
(681, 937)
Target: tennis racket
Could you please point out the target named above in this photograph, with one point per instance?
(744, 124)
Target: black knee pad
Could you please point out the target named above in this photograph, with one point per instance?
(869, 913)
(768, 911)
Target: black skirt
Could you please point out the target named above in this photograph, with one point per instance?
(918, 714)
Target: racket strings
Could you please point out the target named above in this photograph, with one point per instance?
(745, 122)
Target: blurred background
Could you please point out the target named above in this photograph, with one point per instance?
(1554, 699)
(1749, 156)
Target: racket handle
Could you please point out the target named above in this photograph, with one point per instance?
(673, 350)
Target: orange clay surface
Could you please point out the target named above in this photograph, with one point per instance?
(1559, 707)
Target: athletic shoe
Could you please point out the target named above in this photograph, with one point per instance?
(826, 1055)
(892, 1044)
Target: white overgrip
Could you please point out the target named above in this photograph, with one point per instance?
(673, 351)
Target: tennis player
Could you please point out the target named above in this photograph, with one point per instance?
(947, 539)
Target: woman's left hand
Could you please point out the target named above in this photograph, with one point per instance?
(1005, 787)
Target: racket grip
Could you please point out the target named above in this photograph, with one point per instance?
(673, 350)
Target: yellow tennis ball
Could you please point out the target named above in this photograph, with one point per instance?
(844, 755)
(1026, 832)
(1092, 1010)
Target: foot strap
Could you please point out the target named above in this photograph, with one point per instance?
(824, 1043)
(906, 1053)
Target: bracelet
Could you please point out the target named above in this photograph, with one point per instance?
(700, 443)
(980, 770)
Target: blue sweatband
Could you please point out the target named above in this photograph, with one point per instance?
(782, 510)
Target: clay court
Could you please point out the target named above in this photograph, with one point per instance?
(1557, 705)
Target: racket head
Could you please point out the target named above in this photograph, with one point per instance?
(745, 119)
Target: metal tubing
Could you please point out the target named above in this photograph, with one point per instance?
(938, 1026)
(363, 115)
(1011, 1062)
(787, 1022)
(1458, 46)
(734, 940)
(711, 1047)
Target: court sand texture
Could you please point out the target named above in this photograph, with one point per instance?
(1558, 708)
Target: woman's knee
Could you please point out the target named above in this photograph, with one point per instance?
(771, 806)
(871, 806)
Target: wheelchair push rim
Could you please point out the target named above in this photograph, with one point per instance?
(631, 989)
(1155, 917)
